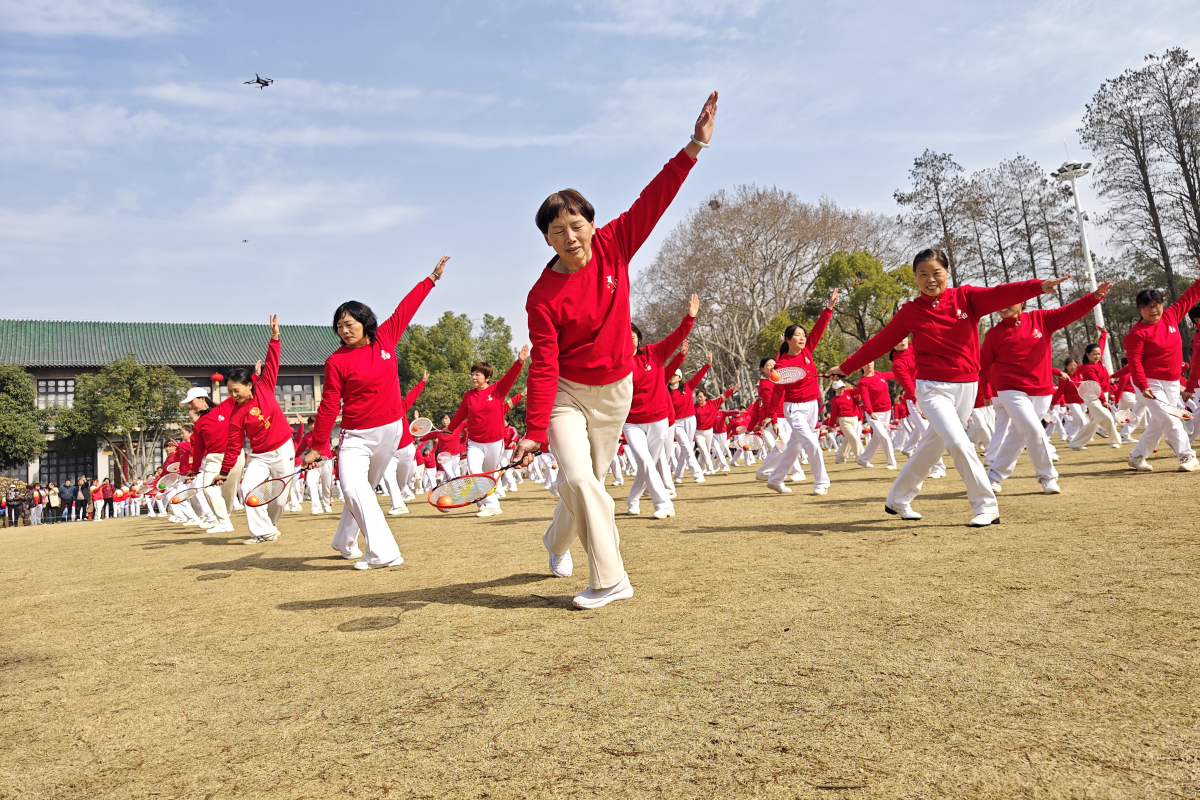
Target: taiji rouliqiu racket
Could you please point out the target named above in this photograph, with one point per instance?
(1174, 411)
(188, 493)
(1089, 391)
(465, 489)
(273, 488)
(420, 427)
(785, 375)
(752, 441)
(167, 481)
(1123, 416)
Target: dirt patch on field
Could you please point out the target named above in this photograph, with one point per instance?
(777, 646)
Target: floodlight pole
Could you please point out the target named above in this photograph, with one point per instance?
(1071, 171)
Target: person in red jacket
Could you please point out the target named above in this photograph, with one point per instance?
(1017, 354)
(877, 404)
(683, 399)
(707, 413)
(843, 416)
(210, 435)
(449, 445)
(482, 409)
(1099, 417)
(580, 389)
(257, 418)
(645, 429)
(403, 467)
(361, 380)
(1155, 352)
(944, 322)
(799, 403)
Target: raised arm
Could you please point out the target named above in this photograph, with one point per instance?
(986, 300)
(818, 328)
(674, 364)
(411, 398)
(1059, 318)
(631, 229)
(394, 326)
(658, 351)
(270, 373)
(699, 376)
(878, 345)
(460, 416)
(1177, 310)
(505, 384)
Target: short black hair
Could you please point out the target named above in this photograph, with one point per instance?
(788, 333)
(483, 368)
(1194, 312)
(360, 312)
(1148, 297)
(242, 375)
(569, 200)
(636, 332)
(764, 361)
(930, 254)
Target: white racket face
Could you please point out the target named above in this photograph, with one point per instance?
(789, 375)
(167, 481)
(463, 490)
(1174, 411)
(1122, 416)
(754, 441)
(265, 492)
(174, 467)
(186, 494)
(1089, 391)
(420, 426)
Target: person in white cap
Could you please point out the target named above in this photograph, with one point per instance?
(210, 434)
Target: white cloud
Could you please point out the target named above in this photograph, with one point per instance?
(672, 19)
(315, 208)
(117, 19)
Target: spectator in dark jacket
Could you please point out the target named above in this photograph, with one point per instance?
(67, 495)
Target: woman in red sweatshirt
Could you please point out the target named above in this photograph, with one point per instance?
(256, 417)
(646, 428)
(361, 380)
(707, 412)
(683, 399)
(1155, 354)
(944, 322)
(800, 403)
(1017, 355)
(482, 408)
(403, 467)
(1093, 369)
(580, 388)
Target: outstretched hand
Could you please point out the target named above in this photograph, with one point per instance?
(311, 457)
(524, 452)
(441, 266)
(1100, 292)
(835, 372)
(832, 300)
(710, 358)
(274, 327)
(684, 348)
(704, 127)
(524, 354)
(1050, 285)
(693, 305)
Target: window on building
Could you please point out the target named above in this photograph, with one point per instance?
(56, 469)
(295, 394)
(55, 392)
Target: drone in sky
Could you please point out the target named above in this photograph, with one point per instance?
(261, 83)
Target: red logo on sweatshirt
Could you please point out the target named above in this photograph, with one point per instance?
(1171, 328)
(1037, 334)
(961, 314)
(612, 285)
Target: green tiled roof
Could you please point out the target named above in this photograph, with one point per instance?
(38, 343)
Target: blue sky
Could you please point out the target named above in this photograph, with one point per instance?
(134, 162)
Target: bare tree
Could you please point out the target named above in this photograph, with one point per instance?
(933, 203)
(1172, 87)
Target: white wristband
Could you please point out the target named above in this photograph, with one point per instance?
(699, 143)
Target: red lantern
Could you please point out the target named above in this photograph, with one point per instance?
(216, 377)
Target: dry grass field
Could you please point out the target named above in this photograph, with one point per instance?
(777, 646)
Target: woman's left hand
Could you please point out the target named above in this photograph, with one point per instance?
(524, 354)
(274, 327)
(1100, 292)
(832, 299)
(437, 271)
(1050, 285)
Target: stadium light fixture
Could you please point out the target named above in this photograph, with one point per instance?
(1072, 171)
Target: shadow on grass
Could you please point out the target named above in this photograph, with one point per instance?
(461, 594)
(260, 560)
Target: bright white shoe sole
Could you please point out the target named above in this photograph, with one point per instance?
(364, 565)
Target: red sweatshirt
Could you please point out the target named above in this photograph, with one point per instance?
(724, 418)
(900, 409)
(708, 411)
(1194, 372)
(873, 391)
(452, 441)
(1017, 351)
(770, 401)
(363, 381)
(1096, 372)
(843, 405)
(210, 433)
(483, 409)
(945, 330)
(675, 363)
(406, 437)
(1068, 386)
(807, 388)
(650, 399)
(683, 398)
(259, 419)
(1156, 351)
(1122, 383)
(904, 367)
(579, 322)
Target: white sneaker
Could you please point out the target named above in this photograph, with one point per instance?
(317, 511)
(635, 511)
(1139, 463)
(891, 466)
(819, 490)
(397, 511)
(701, 479)
(983, 520)
(489, 512)
(778, 487)
(596, 598)
(364, 565)
(903, 511)
(758, 476)
(996, 488)
(1054, 456)
(1080, 447)
(663, 513)
(1051, 487)
(328, 509)
(941, 473)
(866, 464)
(561, 566)
(226, 528)
(352, 555)
(270, 537)
(207, 524)
(192, 523)
(1190, 464)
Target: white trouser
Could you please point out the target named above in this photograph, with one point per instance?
(1162, 424)
(406, 469)
(704, 438)
(769, 455)
(182, 510)
(220, 498)
(802, 424)
(646, 441)
(1025, 432)
(1076, 419)
(1098, 416)
(1134, 405)
(881, 436)
(720, 450)
(428, 478)
(277, 463)
(162, 506)
(362, 460)
(982, 429)
(664, 459)
(485, 457)
(922, 427)
(313, 479)
(1001, 430)
(449, 464)
(391, 486)
(851, 446)
(200, 501)
(946, 407)
(685, 449)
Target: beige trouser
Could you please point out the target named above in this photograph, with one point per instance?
(584, 431)
(852, 446)
(220, 498)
